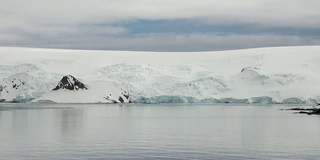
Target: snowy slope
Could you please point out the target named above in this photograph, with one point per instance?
(22, 87)
(71, 90)
(251, 75)
(98, 92)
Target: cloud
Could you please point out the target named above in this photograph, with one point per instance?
(101, 24)
(263, 12)
(170, 42)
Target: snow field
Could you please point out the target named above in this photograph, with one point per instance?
(261, 75)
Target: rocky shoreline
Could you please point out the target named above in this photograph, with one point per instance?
(308, 111)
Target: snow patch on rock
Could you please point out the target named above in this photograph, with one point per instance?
(22, 87)
(71, 90)
(70, 83)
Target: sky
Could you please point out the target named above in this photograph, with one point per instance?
(159, 25)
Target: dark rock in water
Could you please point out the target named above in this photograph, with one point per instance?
(309, 111)
(2, 100)
(71, 83)
(315, 111)
(302, 112)
(300, 109)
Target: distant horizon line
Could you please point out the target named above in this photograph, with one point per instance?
(124, 50)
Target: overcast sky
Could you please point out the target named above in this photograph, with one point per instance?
(159, 25)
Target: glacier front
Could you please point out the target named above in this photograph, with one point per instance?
(263, 75)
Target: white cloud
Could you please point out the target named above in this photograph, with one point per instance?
(264, 12)
(53, 21)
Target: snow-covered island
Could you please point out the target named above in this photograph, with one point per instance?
(262, 75)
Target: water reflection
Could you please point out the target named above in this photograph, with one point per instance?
(156, 132)
(69, 121)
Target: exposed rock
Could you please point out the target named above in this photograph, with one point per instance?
(309, 111)
(252, 68)
(121, 99)
(71, 90)
(13, 86)
(316, 111)
(70, 83)
(126, 95)
(1, 99)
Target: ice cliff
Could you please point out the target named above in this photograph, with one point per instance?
(265, 75)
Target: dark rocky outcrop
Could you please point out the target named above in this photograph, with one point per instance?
(109, 99)
(121, 99)
(126, 95)
(309, 111)
(70, 83)
(11, 86)
(252, 68)
(316, 111)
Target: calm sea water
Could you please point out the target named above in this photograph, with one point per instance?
(42, 131)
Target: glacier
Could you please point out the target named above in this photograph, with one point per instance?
(288, 75)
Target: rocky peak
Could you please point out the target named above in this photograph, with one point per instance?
(250, 68)
(70, 83)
